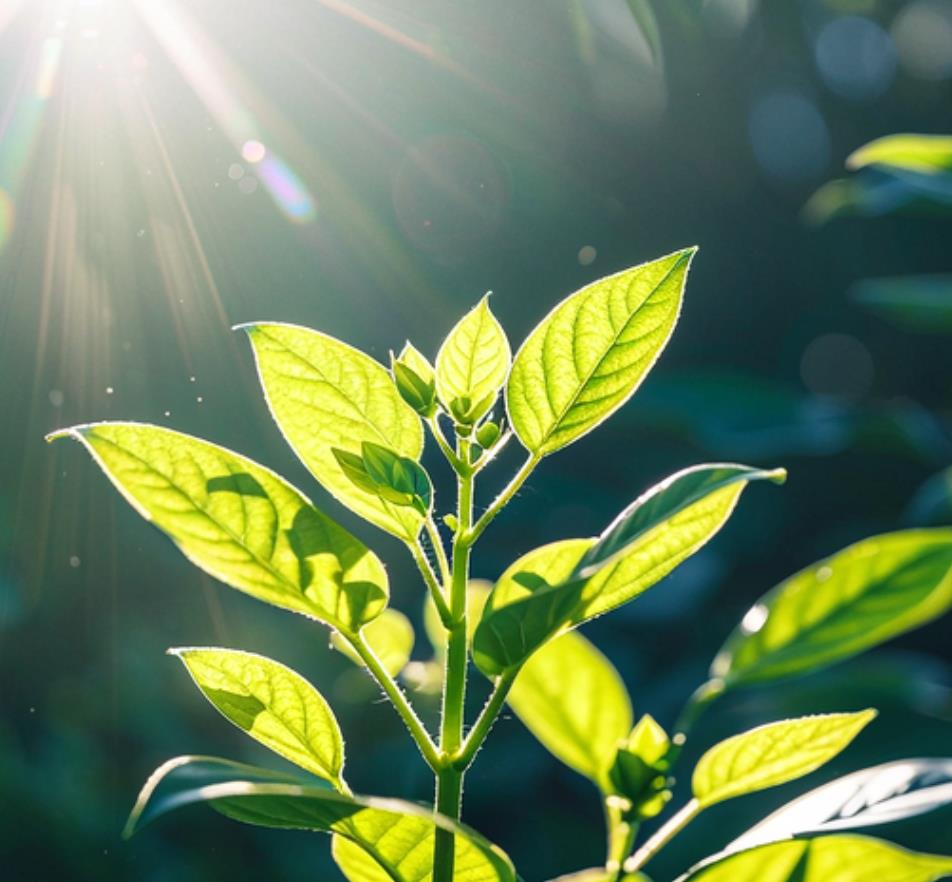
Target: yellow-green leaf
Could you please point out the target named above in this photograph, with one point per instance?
(390, 636)
(826, 859)
(398, 835)
(472, 364)
(860, 597)
(926, 154)
(566, 583)
(324, 395)
(273, 704)
(589, 355)
(240, 522)
(773, 754)
(573, 700)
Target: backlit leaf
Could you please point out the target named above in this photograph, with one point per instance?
(573, 700)
(773, 754)
(880, 795)
(325, 394)
(390, 636)
(826, 859)
(398, 834)
(273, 704)
(860, 597)
(928, 154)
(240, 522)
(589, 355)
(566, 583)
(472, 364)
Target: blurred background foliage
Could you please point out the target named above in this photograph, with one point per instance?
(372, 169)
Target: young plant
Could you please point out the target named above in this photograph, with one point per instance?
(359, 429)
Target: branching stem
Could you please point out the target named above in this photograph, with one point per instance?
(504, 496)
(432, 583)
(484, 722)
(664, 834)
(398, 699)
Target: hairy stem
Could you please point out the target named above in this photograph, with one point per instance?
(484, 722)
(434, 424)
(432, 584)
(665, 833)
(449, 780)
(505, 495)
(437, 542)
(398, 699)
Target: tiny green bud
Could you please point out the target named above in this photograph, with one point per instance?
(415, 380)
(639, 772)
(487, 434)
(451, 521)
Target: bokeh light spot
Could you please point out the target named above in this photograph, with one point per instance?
(923, 35)
(253, 151)
(856, 58)
(789, 136)
(587, 255)
(7, 215)
(837, 365)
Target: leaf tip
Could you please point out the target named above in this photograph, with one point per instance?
(56, 434)
(777, 476)
(248, 327)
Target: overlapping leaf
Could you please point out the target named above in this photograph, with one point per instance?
(566, 583)
(860, 597)
(926, 154)
(398, 836)
(574, 701)
(324, 395)
(773, 754)
(240, 522)
(589, 355)
(825, 859)
(880, 795)
(273, 704)
(390, 636)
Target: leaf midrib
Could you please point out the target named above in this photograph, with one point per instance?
(266, 564)
(614, 342)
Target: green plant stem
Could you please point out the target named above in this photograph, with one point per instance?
(484, 722)
(621, 839)
(434, 424)
(398, 699)
(505, 495)
(489, 455)
(437, 542)
(702, 698)
(432, 584)
(662, 836)
(449, 779)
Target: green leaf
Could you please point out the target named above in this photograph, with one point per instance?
(390, 636)
(880, 795)
(273, 704)
(240, 522)
(773, 754)
(323, 395)
(917, 303)
(926, 154)
(860, 597)
(826, 859)
(415, 379)
(472, 364)
(573, 700)
(398, 835)
(665, 500)
(567, 583)
(590, 354)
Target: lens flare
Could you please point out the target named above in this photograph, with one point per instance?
(206, 71)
